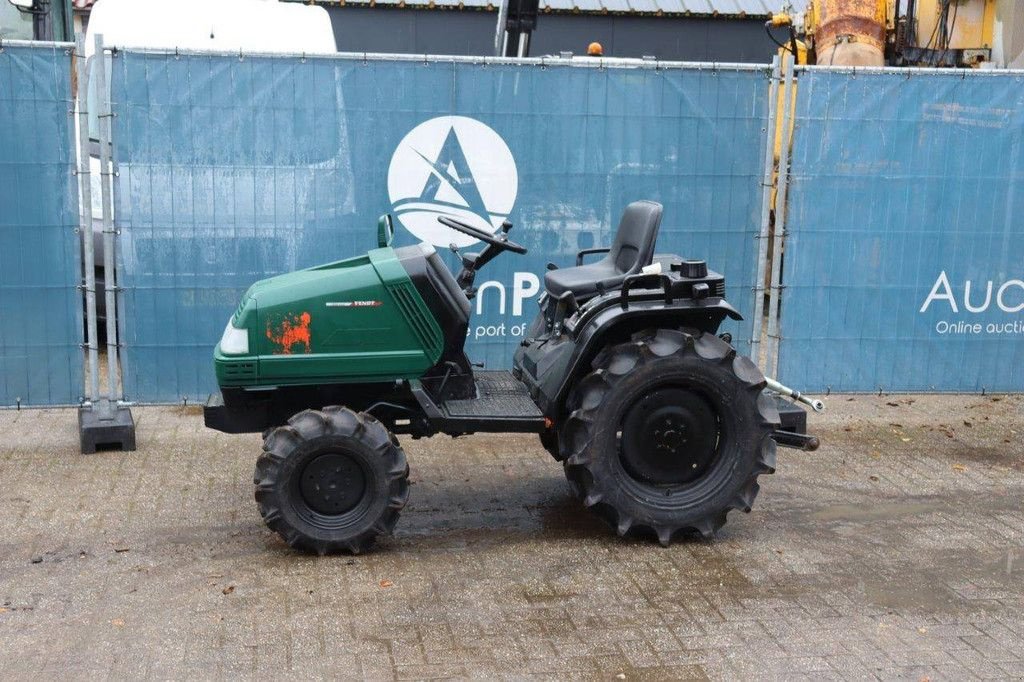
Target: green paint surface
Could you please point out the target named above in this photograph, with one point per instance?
(356, 320)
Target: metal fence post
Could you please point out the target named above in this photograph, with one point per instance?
(103, 96)
(757, 330)
(92, 390)
(106, 421)
(772, 359)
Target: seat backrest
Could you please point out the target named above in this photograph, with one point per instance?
(633, 248)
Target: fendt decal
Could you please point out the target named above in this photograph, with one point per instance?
(293, 329)
(354, 304)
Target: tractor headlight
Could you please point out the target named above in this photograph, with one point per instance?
(234, 341)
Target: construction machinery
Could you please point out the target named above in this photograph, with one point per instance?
(662, 428)
(927, 33)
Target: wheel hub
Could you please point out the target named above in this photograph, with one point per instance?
(333, 484)
(669, 437)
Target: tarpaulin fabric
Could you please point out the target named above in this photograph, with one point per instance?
(40, 305)
(235, 168)
(904, 254)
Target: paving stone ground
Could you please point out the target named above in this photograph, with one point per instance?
(896, 551)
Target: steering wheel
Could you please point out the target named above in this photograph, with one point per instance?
(501, 242)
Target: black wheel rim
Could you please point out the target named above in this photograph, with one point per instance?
(332, 484)
(669, 436)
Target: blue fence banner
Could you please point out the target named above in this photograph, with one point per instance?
(40, 305)
(233, 169)
(904, 254)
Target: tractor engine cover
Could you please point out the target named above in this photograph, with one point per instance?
(356, 320)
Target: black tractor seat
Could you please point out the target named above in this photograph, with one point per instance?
(631, 251)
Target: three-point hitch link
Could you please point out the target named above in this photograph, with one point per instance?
(789, 439)
(813, 403)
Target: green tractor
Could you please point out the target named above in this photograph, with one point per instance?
(661, 427)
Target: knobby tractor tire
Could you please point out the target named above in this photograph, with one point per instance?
(331, 481)
(714, 384)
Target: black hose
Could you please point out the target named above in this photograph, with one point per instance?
(912, 22)
(782, 46)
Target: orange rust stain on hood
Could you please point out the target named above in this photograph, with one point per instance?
(294, 329)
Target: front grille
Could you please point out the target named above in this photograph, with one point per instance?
(240, 370)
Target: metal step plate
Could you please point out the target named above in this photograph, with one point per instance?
(499, 395)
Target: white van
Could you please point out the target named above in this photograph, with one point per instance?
(252, 26)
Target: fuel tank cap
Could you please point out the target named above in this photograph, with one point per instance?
(691, 269)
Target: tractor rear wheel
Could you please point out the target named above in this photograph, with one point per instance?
(668, 433)
(331, 481)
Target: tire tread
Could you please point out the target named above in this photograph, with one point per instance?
(611, 365)
(280, 442)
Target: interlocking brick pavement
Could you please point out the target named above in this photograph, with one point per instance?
(895, 552)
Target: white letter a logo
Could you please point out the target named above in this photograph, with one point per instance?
(947, 293)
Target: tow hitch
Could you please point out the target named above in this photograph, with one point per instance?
(799, 441)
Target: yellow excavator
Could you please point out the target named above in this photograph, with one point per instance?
(925, 33)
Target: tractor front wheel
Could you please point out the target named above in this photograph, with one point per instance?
(668, 433)
(331, 481)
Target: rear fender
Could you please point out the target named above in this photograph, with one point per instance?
(614, 324)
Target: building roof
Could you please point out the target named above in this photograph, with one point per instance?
(700, 8)
(738, 8)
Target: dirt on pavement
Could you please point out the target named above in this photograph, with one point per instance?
(895, 551)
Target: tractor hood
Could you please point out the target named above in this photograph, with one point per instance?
(358, 319)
